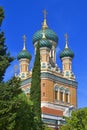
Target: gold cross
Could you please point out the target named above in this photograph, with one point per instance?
(24, 37)
(45, 14)
(66, 37)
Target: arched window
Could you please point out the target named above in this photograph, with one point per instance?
(55, 95)
(67, 73)
(43, 94)
(66, 97)
(67, 93)
(56, 92)
(43, 84)
(62, 94)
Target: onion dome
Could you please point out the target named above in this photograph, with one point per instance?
(50, 34)
(44, 42)
(66, 52)
(24, 54)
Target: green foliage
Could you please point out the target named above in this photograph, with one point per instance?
(24, 117)
(16, 110)
(45, 127)
(77, 121)
(35, 92)
(1, 15)
(9, 103)
(5, 58)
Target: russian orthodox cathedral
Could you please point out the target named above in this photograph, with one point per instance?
(58, 87)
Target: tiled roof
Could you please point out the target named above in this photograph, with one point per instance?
(50, 111)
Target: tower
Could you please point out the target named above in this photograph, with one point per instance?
(24, 58)
(66, 57)
(45, 48)
(50, 36)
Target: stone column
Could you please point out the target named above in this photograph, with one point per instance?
(58, 95)
(68, 98)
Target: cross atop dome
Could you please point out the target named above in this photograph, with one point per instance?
(24, 38)
(44, 26)
(45, 13)
(66, 39)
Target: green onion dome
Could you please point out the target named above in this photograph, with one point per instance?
(66, 53)
(45, 43)
(24, 54)
(50, 35)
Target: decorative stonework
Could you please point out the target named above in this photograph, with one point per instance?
(56, 78)
(52, 77)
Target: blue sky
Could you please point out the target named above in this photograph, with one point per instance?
(70, 16)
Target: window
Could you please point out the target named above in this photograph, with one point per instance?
(66, 97)
(43, 94)
(55, 95)
(43, 84)
(67, 73)
(61, 96)
(43, 65)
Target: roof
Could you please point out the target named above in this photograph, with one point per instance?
(50, 35)
(45, 43)
(50, 111)
(24, 54)
(66, 53)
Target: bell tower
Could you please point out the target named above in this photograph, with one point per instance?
(24, 58)
(66, 57)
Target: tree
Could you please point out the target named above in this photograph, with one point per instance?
(5, 58)
(15, 110)
(1, 15)
(24, 117)
(77, 121)
(9, 103)
(35, 92)
(45, 127)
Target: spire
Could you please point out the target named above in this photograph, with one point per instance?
(44, 26)
(66, 39)
(24, 38)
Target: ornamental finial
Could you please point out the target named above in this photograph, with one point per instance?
(66, 38)
(24, 38)
(44, 26)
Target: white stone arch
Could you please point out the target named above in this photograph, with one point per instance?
(67, 91)
(56, 87)
(62, 89)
